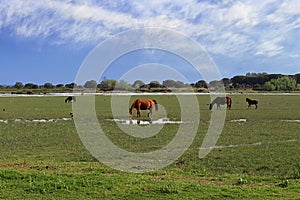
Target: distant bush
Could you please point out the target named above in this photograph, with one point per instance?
(284, 83)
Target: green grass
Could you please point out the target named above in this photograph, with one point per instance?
(256, 159)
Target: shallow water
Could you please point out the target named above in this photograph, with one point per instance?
(291, 120)
(251, 144)
(145, 122)
(6, 121)
(239, 120)
(283, 120)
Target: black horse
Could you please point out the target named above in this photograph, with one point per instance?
(70, 99)
(251, 102)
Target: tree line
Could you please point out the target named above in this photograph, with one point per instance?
(254, 81)
(264, 81)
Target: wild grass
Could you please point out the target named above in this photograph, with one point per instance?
(256, 159)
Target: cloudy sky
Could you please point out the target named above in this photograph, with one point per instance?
(47, 41)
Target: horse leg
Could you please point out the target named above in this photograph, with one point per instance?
(138, 111)
(150, 112)
(228, 105)
(138, 114)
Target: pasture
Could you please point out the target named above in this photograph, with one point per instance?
(256, 157)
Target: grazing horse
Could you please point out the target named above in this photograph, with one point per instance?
(221, 101)
(70, 98)
(251, 102)
(141, 104)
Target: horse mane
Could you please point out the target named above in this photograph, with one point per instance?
(133, 106)
(251, 100)
(216, 100)
(213, 103)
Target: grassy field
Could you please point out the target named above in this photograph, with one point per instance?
(253, 159)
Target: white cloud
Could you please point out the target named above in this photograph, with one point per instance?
(269, 48)
(231, 28)
(290, 7)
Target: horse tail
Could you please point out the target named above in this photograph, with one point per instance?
(229, 101)
(156, 105)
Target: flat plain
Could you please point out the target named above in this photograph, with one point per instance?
(256, 157)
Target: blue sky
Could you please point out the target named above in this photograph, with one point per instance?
(47, 41)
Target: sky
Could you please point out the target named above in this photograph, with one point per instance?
(48, 41)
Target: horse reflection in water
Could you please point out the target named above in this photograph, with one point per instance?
(142, 104)
(221, 101)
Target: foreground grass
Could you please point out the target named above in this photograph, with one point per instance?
(257, 159)
(96, 182)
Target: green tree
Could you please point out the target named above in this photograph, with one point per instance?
(155, 84)
(59, 85)
(297, 77)
(71, 85)
(18, 85)
(31, 86)
(269, 86)
(179, 84)
(216, 84)
(122, 85)
(226, 82)
(137, 84)
(90, 84)
(284, 83)
(48, 85)
(287, 83)
(169, 83)
(107, 85)
(201, 84)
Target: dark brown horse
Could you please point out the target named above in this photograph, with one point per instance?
(141, 104)
(251, 102)
(70, 98)
(221, 101)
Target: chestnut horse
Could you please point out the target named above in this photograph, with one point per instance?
(251, 102)
(221, 101)
(141, 104)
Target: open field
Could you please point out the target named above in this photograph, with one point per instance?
(256, 157)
